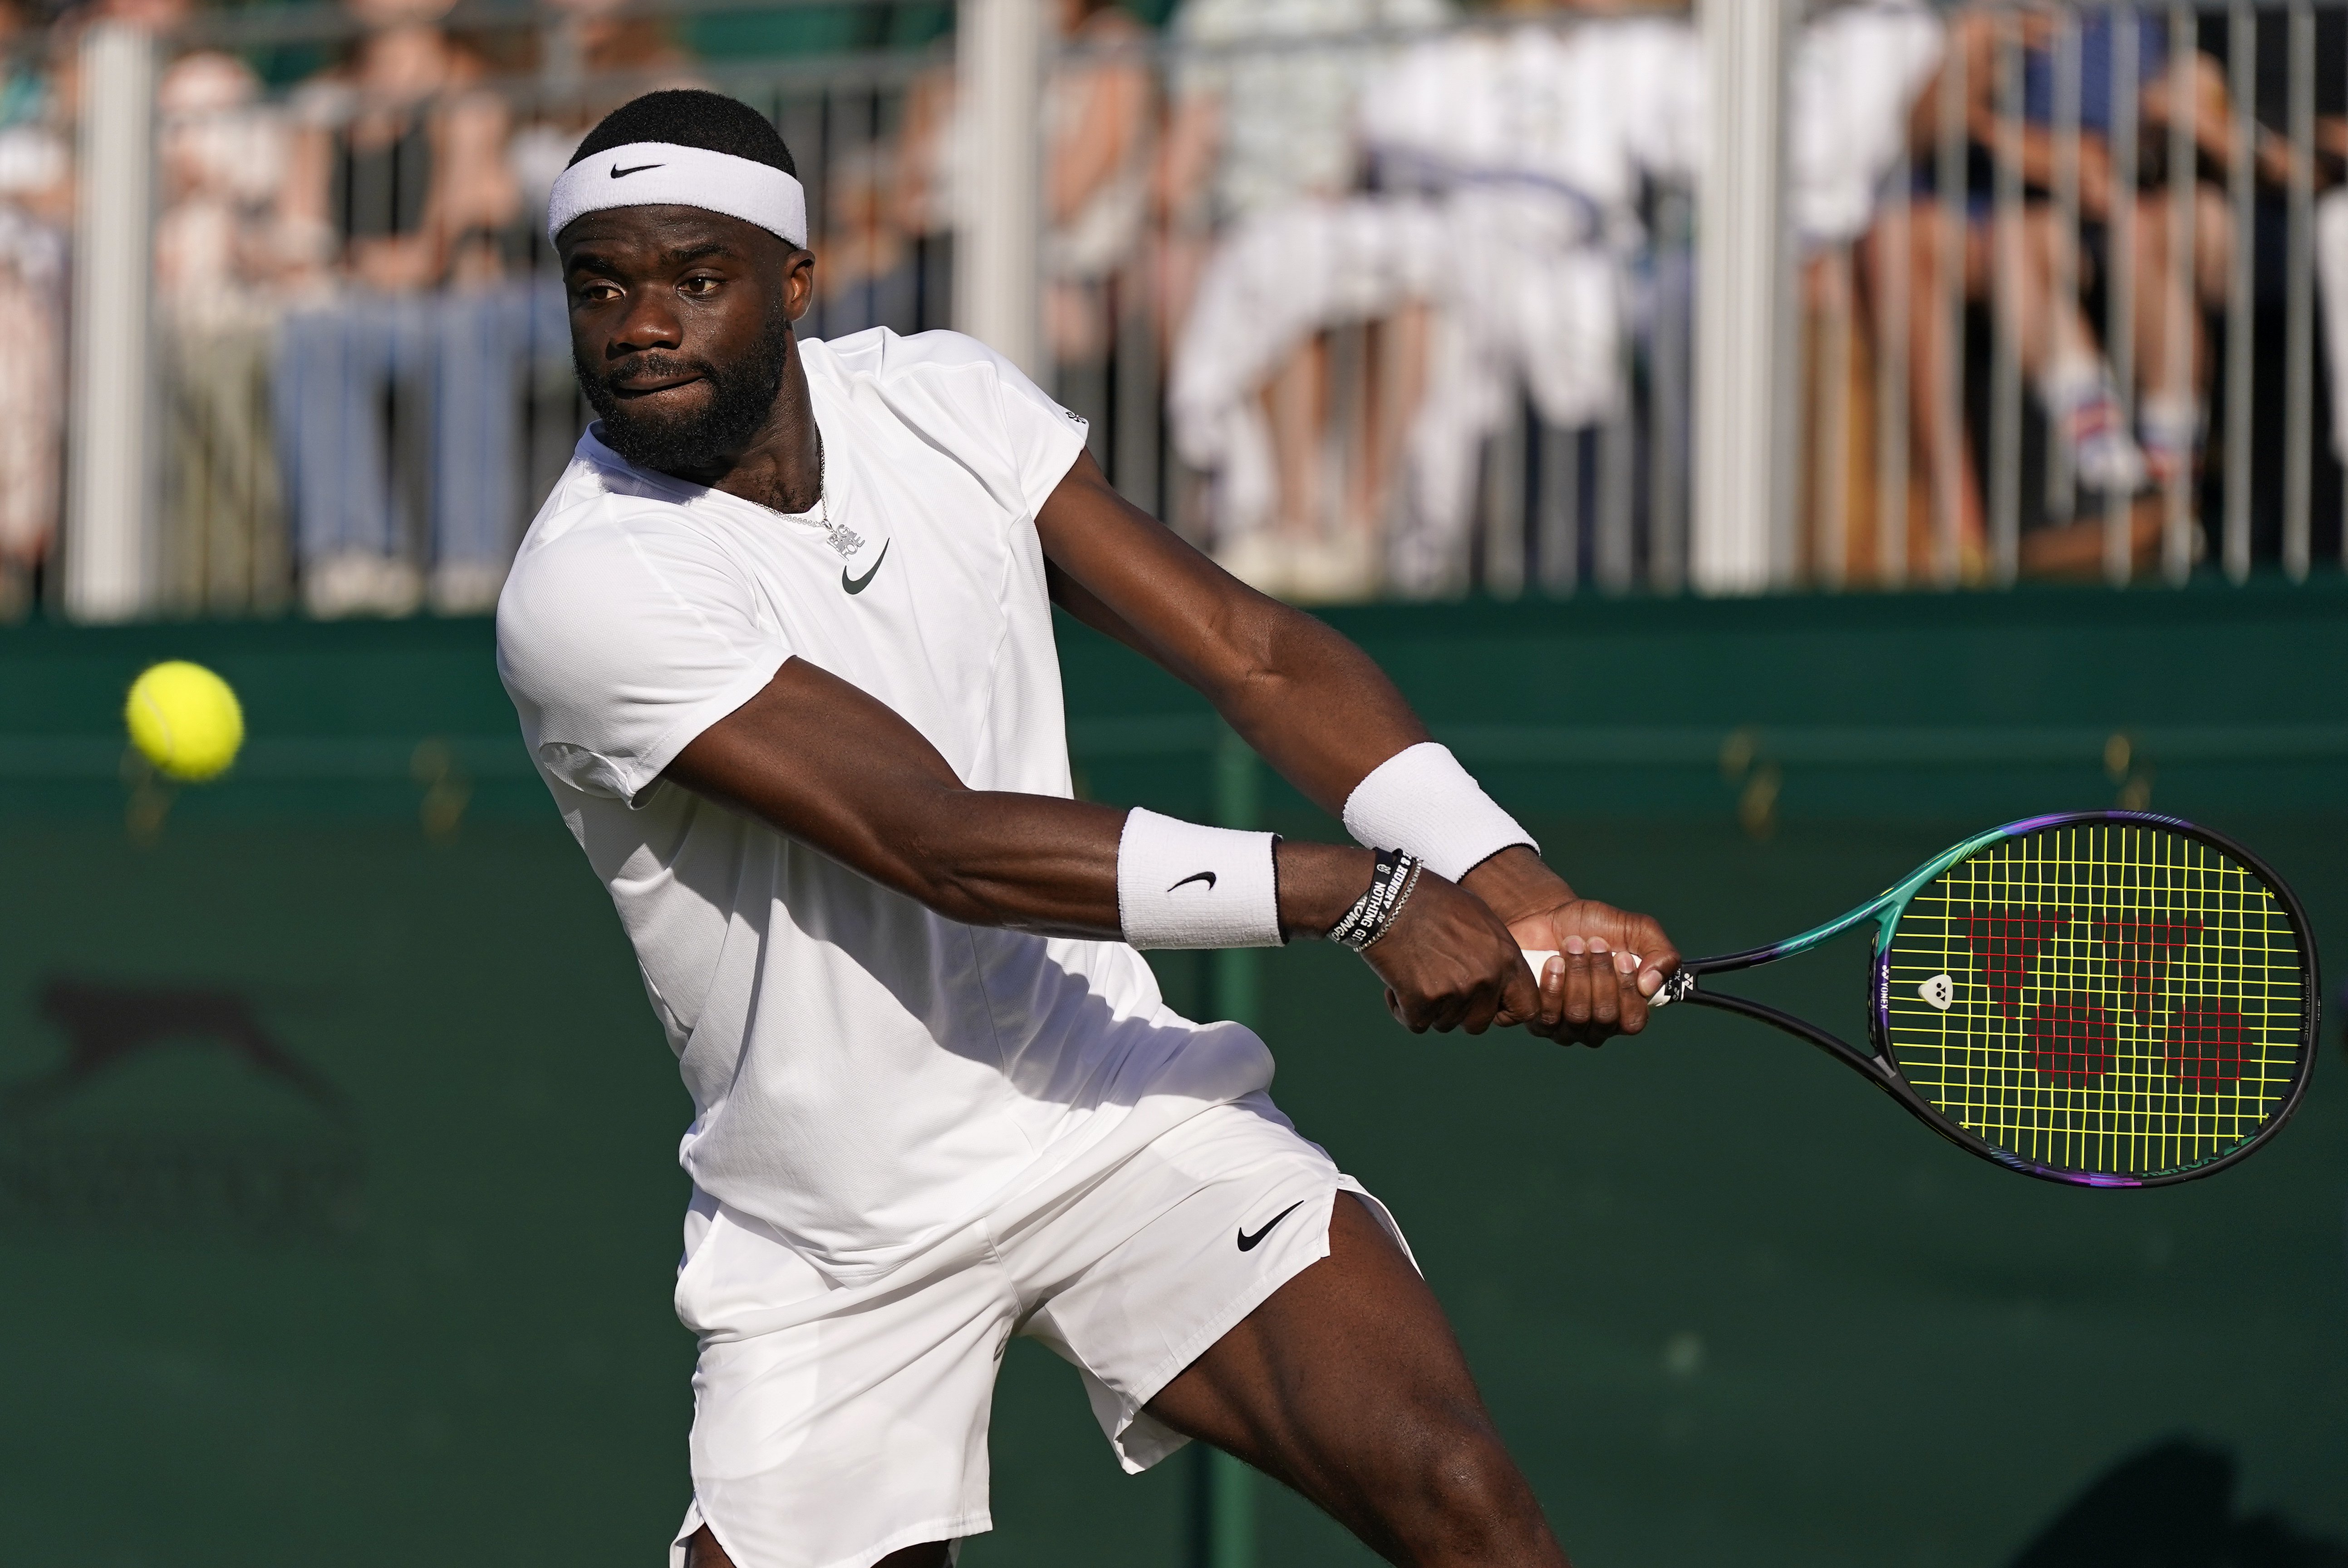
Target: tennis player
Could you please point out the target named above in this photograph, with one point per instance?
(781, 645)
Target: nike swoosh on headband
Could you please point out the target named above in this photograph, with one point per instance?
(665, 173)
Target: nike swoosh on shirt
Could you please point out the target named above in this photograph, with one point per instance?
(1207, 877)
(618, 172)
(1248, 1243)
(856, 584)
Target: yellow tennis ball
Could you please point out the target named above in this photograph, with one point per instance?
(185, 720)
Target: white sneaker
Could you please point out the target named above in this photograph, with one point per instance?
(2083, 405)
(353, 582)
(1340, 571)
(1261, 560)
(467, 587)
(2107, 462)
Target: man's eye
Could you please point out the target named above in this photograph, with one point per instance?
(701, 283)
(596, 294)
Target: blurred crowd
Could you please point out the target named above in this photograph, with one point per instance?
(1305, 264)
(352, 311)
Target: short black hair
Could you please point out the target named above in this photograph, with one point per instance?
(692, 117)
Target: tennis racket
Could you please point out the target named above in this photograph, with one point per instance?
(2103, 998)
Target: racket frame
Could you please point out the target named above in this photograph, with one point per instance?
(1879, 1063)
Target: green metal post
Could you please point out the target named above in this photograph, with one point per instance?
(1223, 1532)
(1228, 1531)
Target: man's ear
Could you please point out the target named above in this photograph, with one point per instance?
(799, 282)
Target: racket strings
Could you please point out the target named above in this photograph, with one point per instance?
(2099, 998)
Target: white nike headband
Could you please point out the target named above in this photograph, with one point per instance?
(661, 173)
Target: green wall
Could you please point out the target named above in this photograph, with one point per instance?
(1726, 1304)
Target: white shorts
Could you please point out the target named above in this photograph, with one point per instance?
(852, 1421)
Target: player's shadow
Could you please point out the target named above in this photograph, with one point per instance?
(2172, 1506)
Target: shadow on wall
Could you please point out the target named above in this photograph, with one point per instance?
(2172, 1506)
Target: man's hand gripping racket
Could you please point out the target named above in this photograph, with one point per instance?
(2103, 998)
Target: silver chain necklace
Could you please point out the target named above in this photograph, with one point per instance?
(837, 535)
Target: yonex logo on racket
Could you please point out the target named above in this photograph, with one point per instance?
(2107, 998)
(2007, 941)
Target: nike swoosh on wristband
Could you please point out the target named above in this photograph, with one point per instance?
(1248, 1243)
(618, 172)
(856, 584)
(1207, 877)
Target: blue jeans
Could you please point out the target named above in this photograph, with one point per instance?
(466, 350)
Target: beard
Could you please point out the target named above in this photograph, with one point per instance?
(742, 396)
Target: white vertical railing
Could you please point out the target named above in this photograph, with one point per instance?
(109, 480)
(1919, 468)
(1742, 339)
(998, 175)
(2299, 289)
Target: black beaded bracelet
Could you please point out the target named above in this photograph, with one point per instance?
(1391, 884)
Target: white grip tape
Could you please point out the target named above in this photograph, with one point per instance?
(1421, 801)
(1179, 884)
(1538, 957)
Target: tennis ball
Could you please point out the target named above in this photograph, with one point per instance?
(185, 720)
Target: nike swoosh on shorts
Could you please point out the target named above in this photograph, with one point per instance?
(1248, 1243)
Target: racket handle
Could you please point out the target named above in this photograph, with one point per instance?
(1538, 957)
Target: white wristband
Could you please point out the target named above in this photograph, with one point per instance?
(1182, 885)
(1421, 801)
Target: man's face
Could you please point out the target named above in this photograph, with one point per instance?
(681, 330)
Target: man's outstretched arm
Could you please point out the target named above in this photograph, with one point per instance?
(1324, 714)
(826, 763)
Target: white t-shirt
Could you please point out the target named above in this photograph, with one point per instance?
(866, 1075)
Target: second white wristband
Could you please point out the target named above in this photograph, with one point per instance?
(1421, 800)
(1179, 884)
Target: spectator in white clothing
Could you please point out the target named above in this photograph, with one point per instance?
(219, 263)
(1266, 92)
(1537, 141)
(1509, 162)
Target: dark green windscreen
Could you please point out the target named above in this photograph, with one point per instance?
(1714, 1290)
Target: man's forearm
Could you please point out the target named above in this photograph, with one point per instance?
(1032, 862)
(1317, 706)
(1314, 704)
(892, 808)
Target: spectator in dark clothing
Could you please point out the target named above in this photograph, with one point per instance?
(400, 195)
